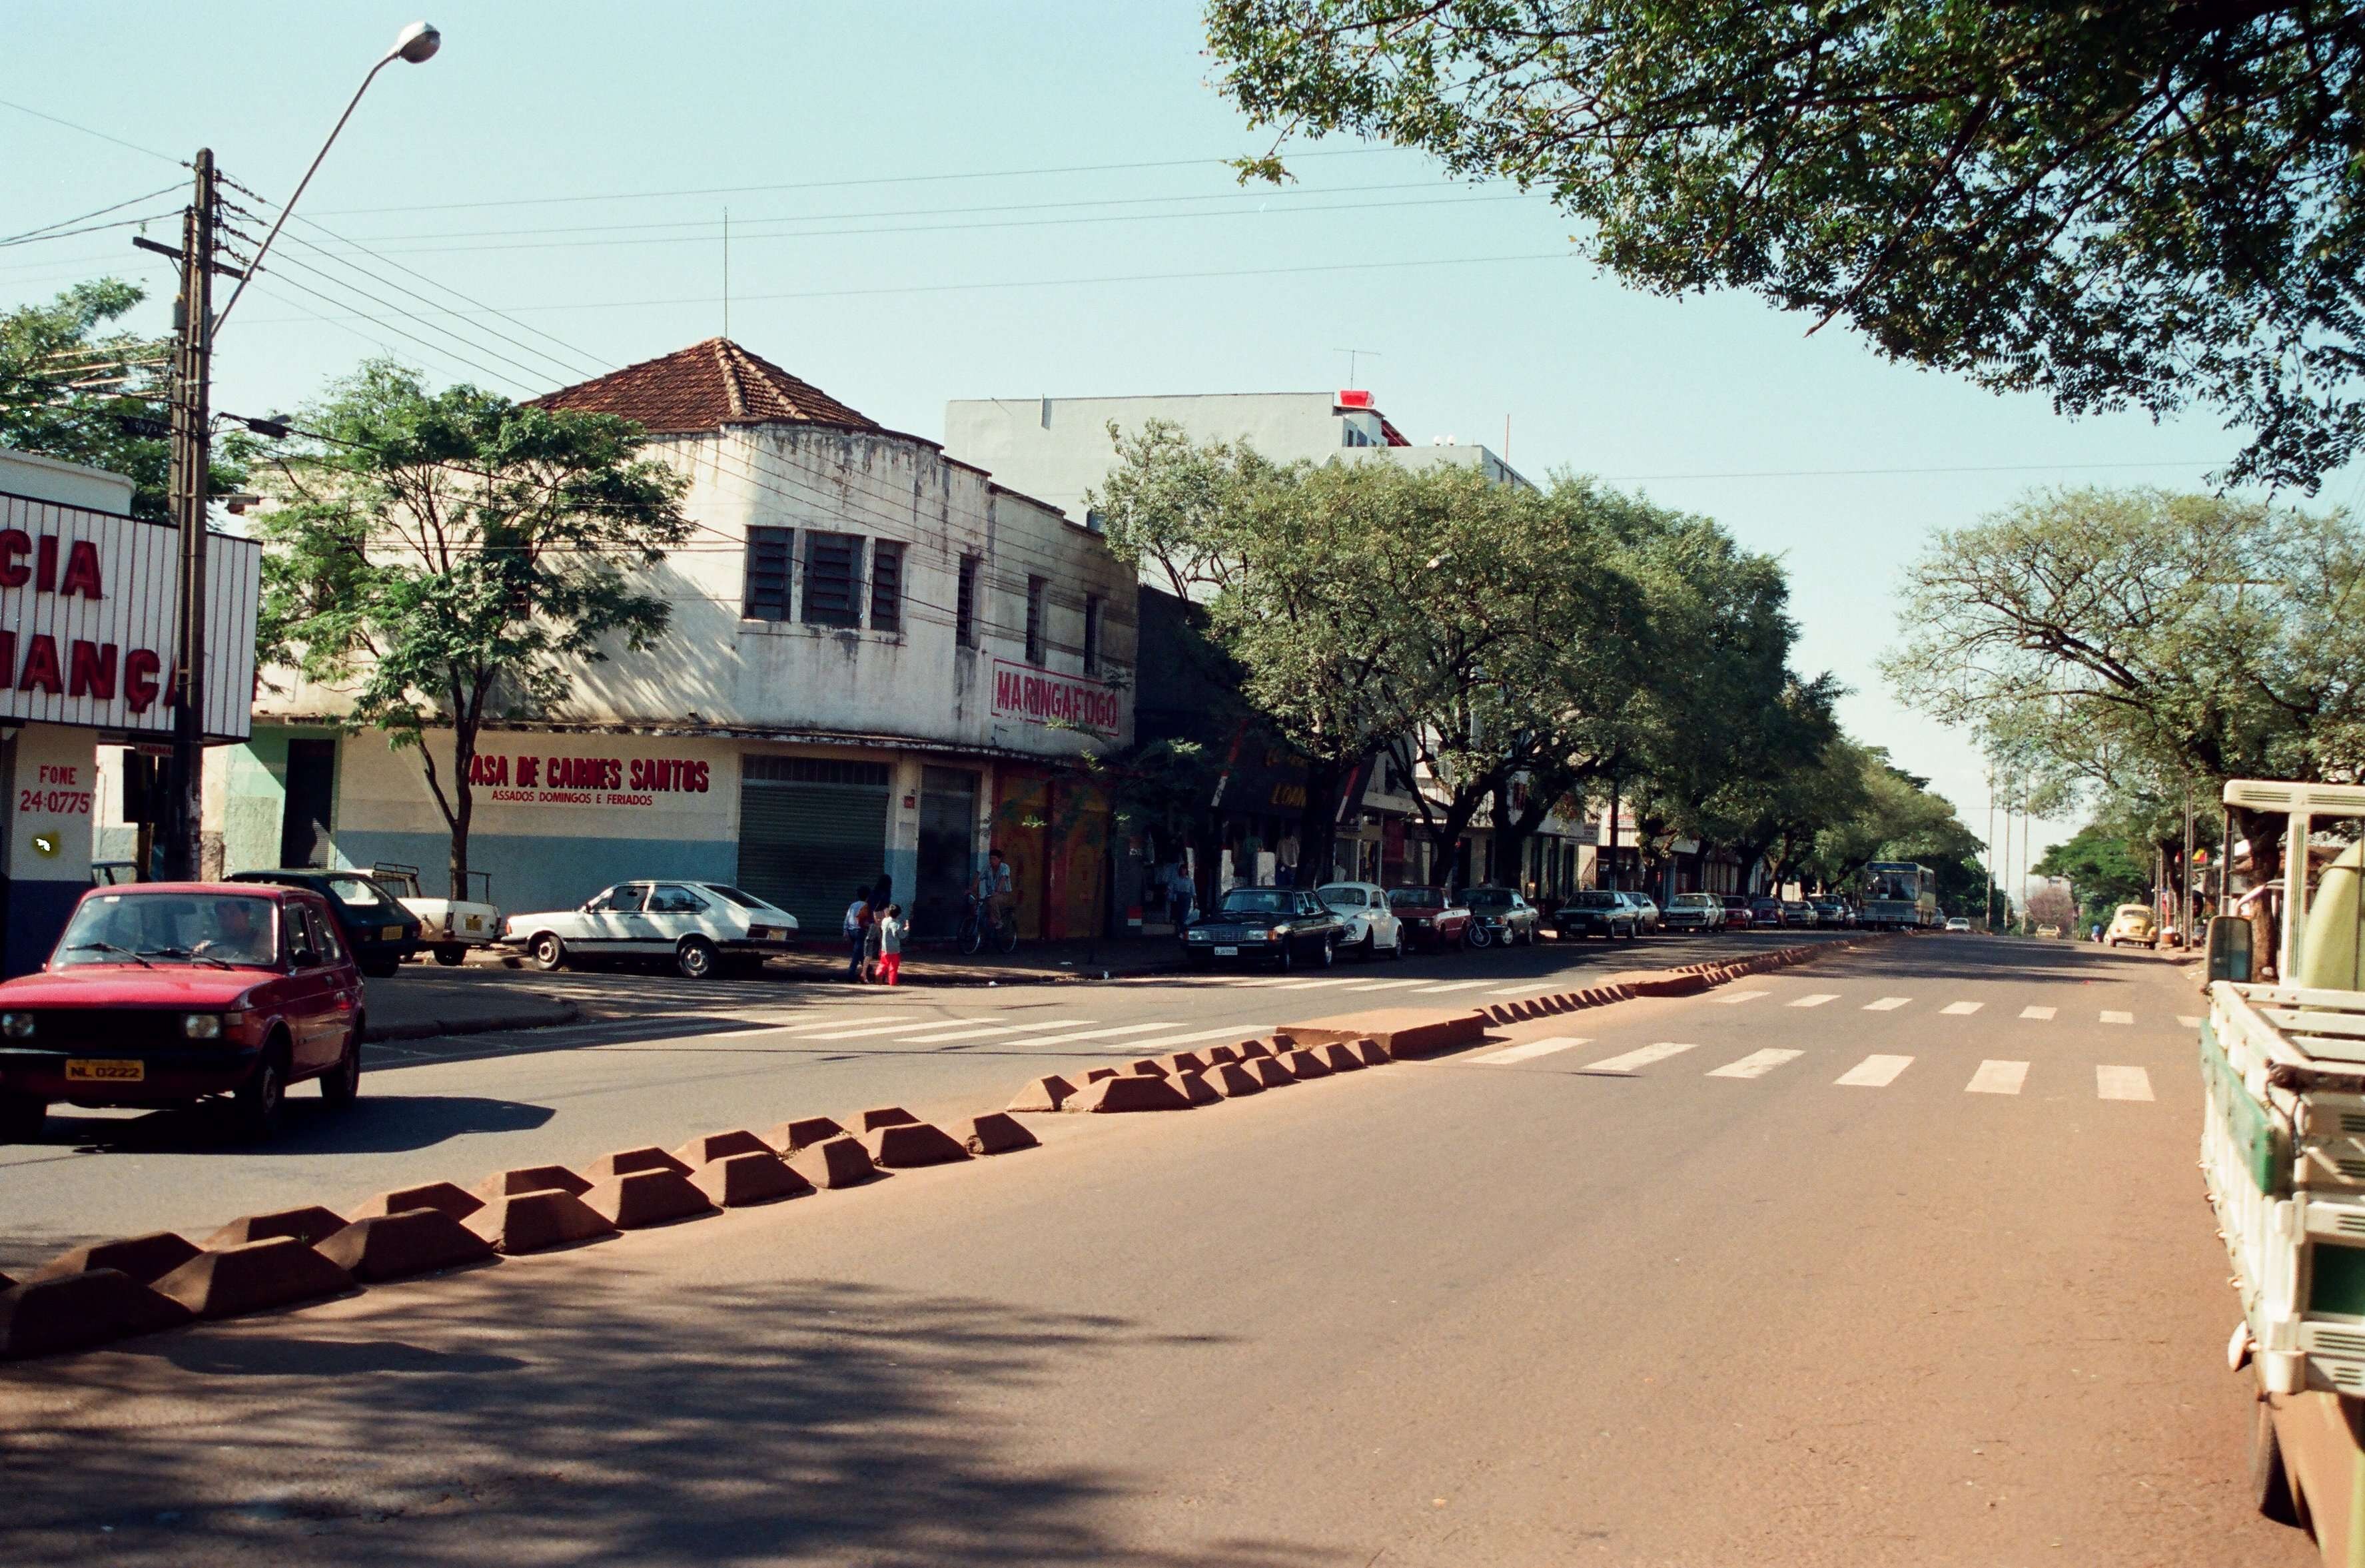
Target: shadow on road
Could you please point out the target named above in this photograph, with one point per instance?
(374, 1124)
(599, 1418)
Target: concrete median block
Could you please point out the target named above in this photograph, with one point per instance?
(537, 1221)
(1130, 1094)
(700, 1152)
(75, 1312)
(805, 1132)
(1251, 1049)
(749, 1176)
(309, 1224)
(1269, 1073)
(1222, 1054)
(1180, 1062)
(1404, 1031)
(1045, 1094)
(1148, 1067)
(1305, 1063)
(530, 1178)
(994, 1133)
(904, 1145)
(398, 1246)
(840, 1162)
(1338, 1056)
(638, 1199)
(886, 1116)
(1194, 1087)
(626, 1162)
(253, 1276)
(1373, 1053)
(146, 1259)
(1231, 1079)
(1094, 1075)
(442, 1196)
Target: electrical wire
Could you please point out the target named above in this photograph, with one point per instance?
(49, 229)
(86, 131)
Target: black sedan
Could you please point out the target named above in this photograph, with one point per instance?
(378, 931)
(1499, 915)
(1597, 912)
(1288, 926)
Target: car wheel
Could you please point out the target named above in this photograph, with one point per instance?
(257, 1105)
(1288, 957)
(548, 952)
(21, 1117)
(1478, 936)
(342, 1083)
(1399, 950)
(1330, 951)
(695, 959)
(451, 954)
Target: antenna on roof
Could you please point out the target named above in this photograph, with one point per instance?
(726, 272)
(1352, 355)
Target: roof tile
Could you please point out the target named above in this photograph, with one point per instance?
(704, 387)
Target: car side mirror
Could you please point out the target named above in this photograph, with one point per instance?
(2229, 948)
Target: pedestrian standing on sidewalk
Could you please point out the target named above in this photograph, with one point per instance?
(873, 944)
(890, 945)
(858, 921)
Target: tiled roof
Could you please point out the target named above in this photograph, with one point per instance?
(704, 387)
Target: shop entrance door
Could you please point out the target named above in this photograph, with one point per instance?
(810, 832)
(947, 858)
(304, 838)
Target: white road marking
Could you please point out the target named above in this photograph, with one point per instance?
(1385, 985)
(1998, 1078)
(1740, 996)
(2121, 1083)
(1457, 985)
(1532, 988)
(831, 1023)
(1544, 1047)
(2185, 1021)
(1961, 1009)
(1229, 1032)
(1887, 1004)
(1816, 999)
(2042, 1015)
(1644, 1058)
(1102, 1034)
(1874, 1072)
(870, 1030)
(2111, 1017)
(980, 1031)
(1757, 1064)
(1311, 984)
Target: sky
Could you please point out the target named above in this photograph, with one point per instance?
(965, 200)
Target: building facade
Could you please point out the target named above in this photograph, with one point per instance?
(880, 664)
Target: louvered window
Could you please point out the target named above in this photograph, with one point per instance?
(1091, 633)
(965, 605)
(833, 580)
(1036, 591)
(886, 586)
(769, 553)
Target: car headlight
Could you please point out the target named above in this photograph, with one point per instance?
(1194, 936)
(202, 1026)
(1276, 933)
(17, 1025)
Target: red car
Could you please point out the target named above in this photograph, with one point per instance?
(160, 994)
(1433, 919)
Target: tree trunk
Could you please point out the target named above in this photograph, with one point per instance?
(1317, 824)
(463, 802)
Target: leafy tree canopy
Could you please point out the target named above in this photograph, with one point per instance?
(2132, 202)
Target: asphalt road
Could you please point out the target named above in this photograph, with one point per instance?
(660, 1060)
(1896, 1259)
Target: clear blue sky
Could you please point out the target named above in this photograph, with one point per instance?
(939, 129)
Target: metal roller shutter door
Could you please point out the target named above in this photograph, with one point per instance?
(810, 832)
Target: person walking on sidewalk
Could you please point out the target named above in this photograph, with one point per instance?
(857, 923)
(890, 945)
(873, 942)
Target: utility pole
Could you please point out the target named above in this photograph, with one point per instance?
(2184, 874)
(182, 816)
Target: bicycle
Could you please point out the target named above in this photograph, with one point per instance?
(979, 926)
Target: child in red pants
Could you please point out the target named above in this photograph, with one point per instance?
(890, 945)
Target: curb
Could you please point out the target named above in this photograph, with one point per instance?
(428, 1029)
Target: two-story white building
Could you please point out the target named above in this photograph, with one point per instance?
(878, 662)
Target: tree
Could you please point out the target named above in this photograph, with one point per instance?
(2052, 906)
(71, 389)
(1794, 775)
(2145, 202)
(452, 557)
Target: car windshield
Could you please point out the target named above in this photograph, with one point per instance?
(1419, 898)
(745, 901)
(1489, 898)
(1695, 900)
(1343, 895)
(1767, 903)
(222, 929)
(1256, 901)
(1593, 900)
(359, 893)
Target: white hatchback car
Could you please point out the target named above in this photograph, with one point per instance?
(698, 926)
(1372, 927)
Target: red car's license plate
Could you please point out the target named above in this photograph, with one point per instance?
(85, 1069)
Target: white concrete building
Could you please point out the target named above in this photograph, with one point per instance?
(878, 661)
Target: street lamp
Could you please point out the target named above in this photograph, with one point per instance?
(415, 44)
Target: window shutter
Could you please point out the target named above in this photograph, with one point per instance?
(833, 580)
(769, 553)
(886, 586)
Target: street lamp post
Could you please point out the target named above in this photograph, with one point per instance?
(191, 464)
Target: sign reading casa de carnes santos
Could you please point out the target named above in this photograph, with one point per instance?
(527, 779)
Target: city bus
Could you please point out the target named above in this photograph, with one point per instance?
(1898, 894)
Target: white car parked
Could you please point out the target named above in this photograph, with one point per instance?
(697, 925)
(1372, 927)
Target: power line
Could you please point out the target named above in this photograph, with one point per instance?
(1857, 473)
(86, 131)
(47, 230)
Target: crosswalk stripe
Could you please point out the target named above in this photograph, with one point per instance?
(1740, 996)
(1815, 998)
(1311, 984)
(2042, 1015)
(1874, 1072)
(833, 1024)
(1532, 989)
(864, 1032)
(1887, 1004)
(1457, 985)
(2186, 1021)
(1961, 1009)
(1106, 1033)
(1385, 985)
(1644, 1058)
(938, 1034)
(1229, 1032)
(2111, 1017)
(1998, 1078)
(1529, 1050)
(2121, 1083)
(1757, 1064)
